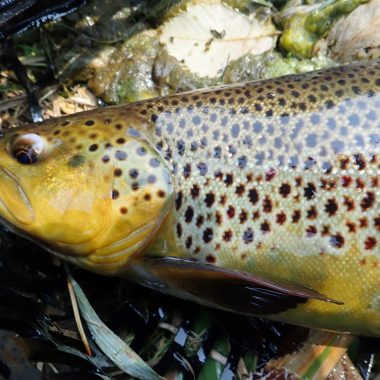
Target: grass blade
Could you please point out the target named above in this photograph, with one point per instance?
(112, 346)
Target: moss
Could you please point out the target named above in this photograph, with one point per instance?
(249, 67)
(271, 65)
(292, 65)
(127, 77)
(303, 30)
(248, 6)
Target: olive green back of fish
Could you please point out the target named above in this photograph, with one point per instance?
(281, 178)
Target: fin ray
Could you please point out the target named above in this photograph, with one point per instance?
(226, 289)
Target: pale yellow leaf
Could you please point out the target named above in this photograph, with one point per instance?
(209, 35)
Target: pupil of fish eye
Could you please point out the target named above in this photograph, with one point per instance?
(25, 158)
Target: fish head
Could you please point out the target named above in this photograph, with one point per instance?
(90, 188)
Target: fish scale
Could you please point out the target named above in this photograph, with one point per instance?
(281, 178)
(281, 170)
(274, 180)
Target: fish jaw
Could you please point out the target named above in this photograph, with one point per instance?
(90, 190)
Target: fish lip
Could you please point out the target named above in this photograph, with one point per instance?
(23, 196)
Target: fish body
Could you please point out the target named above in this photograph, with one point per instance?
(273, 181)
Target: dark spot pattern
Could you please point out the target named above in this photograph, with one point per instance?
(368, 201)
(207, 235)
(89, 123)
(189, 213)
(310, 191)
(253, 196)
(288, 154)
(118, 172)
(209, 199)
(331, 207)
(337, 240)
(285, 189)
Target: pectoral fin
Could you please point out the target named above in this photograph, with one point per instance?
(225, 289)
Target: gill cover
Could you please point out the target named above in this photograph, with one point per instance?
(91, 190)
(142, 195)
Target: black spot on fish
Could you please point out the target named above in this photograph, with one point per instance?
(310, 191)
(208, 235)
(89, 123)
(209, 199)
(189, 213)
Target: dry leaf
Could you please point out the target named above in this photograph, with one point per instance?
(356, 36)
(209, 35)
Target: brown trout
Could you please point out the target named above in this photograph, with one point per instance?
(259, 198)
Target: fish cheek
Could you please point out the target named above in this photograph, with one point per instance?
(142, 196)
(72, 202)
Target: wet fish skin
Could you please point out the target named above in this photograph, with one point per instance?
(276, 178)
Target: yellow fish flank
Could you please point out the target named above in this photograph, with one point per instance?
(259, 198)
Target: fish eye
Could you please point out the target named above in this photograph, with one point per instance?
(26, 149)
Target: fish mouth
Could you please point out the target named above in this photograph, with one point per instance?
(16, 205)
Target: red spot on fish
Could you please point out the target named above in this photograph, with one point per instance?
(267, 204)
(325, 230)
(346, 181)
(351, 226)
(311, 231)
(360, 184)
(370, 243)
(281, 218)
(249, 177)
(231, 212)
(363, 222)
(227, 236)
(256, 215)
(349, 203)
(265, 227)
(296, 216)
(312, 213)
(376, 223)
